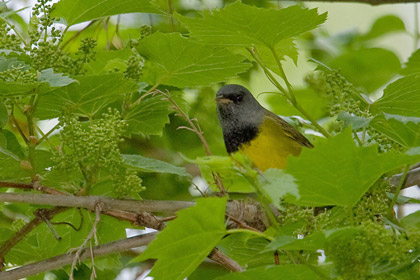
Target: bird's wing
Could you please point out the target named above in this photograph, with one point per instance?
(289, 130)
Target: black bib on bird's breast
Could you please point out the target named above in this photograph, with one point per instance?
(237, 137)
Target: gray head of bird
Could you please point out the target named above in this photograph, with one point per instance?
(236, 106)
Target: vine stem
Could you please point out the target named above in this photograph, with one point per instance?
(288, 94)
(197, 130)
(12, 26)
(400, 185)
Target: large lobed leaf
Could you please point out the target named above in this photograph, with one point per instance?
(148, 117)
(337, 172)
(242, 25)
(402, 97)
(187, 241)
(179, 61)
(403, 130)
(413, 63)
(289, 272)
(77, 11)
(47, 82)
(87, 97)
(268, 30)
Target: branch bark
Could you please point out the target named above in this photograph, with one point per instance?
(89, 202)
(65, 259)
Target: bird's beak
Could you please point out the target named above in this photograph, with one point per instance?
(222, 100)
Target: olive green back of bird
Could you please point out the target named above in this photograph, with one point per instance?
(251, 129)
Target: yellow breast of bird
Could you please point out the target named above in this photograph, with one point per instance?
(271, 147)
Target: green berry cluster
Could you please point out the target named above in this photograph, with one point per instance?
(374, 204)
(8, 40)
(45, 39)
(85, 53)
(18, 74)
(344, 97)
(145, 30)
(92, 147)
(373, 252)
(135, 65)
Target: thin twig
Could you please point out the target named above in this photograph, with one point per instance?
(397, 192)
(88, 238)
(30, 186)
(65, 259)
(195, 127)
(77, 33)
(224, 260)
(241, 223)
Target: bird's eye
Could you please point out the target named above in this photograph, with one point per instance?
(239, 98)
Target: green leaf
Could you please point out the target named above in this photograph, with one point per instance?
(402, 97)
(55, 79)
(401, 199)
(9, 142)
(337, 172)
(10, 89)
(77, 11)
(246, 249)
(194, 233)
(289, 272)
(244, 26)
(384, 25)
(283, 48)
(278, 184)
(178, 61)
(10, 166)
(107, 62)
(4, 115)
(413, 64)
(233, 180)
(312, 242)
(401, 129)
(356, 122)
(367, 68)
(314, 104)
(411, 222)
(145, 164)
(148, 117)
(86, 98)
(12, 62)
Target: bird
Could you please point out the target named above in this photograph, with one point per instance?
(258, 133)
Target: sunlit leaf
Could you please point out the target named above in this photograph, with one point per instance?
(402, 97)
(85, 98)
(148, 117)
(179, 61)
(194, 233)
(413, 64)
(337, 172)
(77, 11)
(401, 129)
(290, 272)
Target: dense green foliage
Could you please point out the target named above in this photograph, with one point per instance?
(121, 109)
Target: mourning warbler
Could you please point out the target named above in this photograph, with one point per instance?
(251, 129)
